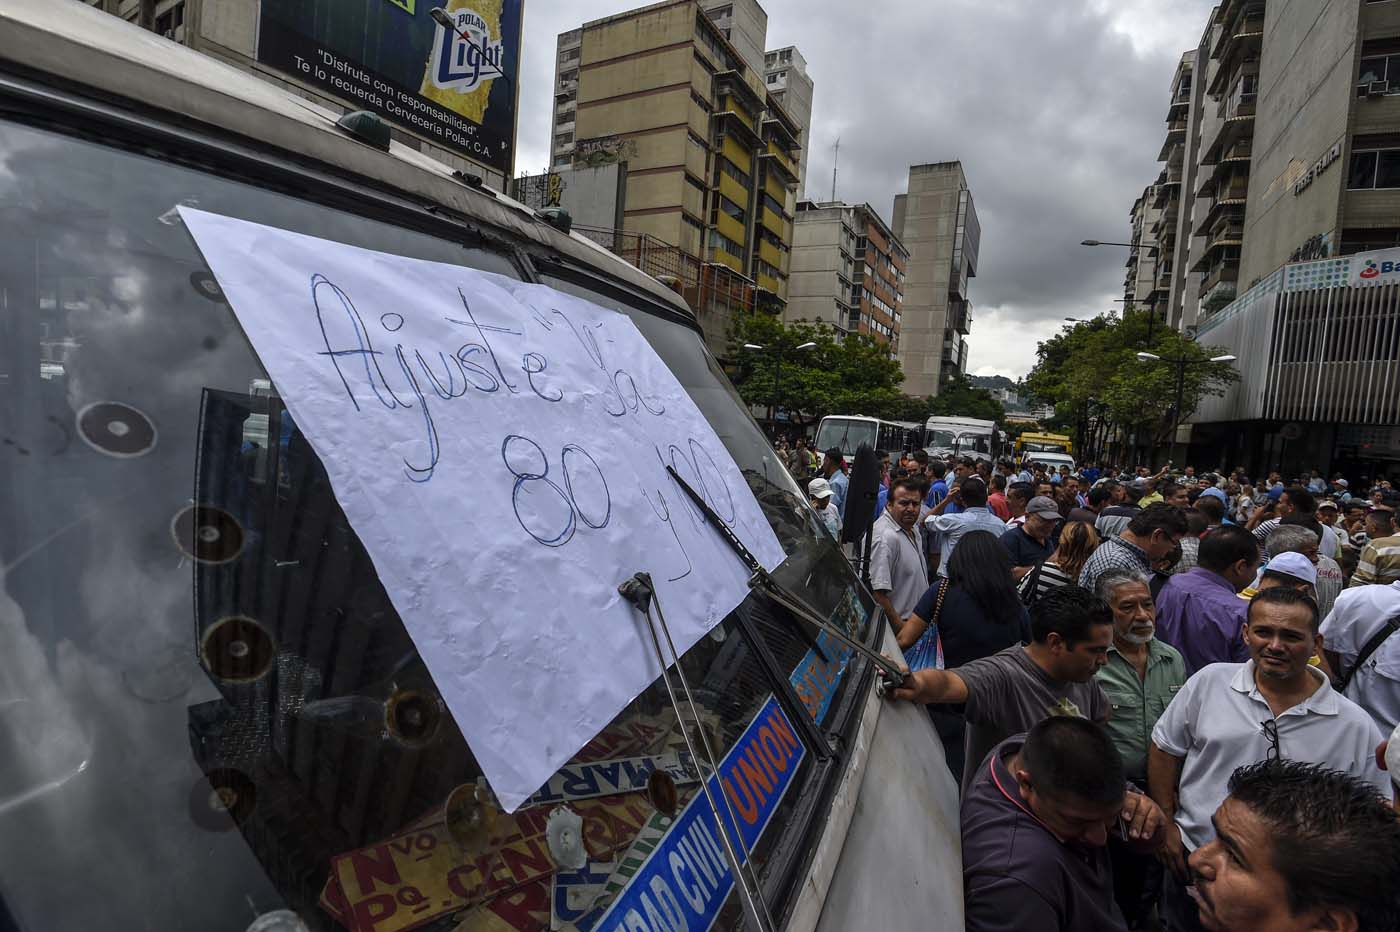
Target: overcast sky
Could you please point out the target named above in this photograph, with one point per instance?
(1056, 110)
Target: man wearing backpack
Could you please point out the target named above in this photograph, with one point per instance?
(1360, 646)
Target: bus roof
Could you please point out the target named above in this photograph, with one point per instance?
(959, 422)
(76, 44)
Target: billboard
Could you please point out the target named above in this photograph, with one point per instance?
(457, 88)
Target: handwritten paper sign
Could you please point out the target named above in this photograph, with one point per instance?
(500, 448)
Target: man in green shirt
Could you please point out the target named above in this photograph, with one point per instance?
(1141, 677)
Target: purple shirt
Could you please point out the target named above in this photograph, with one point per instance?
(1200, 615)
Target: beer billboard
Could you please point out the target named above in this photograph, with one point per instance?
(456, 87)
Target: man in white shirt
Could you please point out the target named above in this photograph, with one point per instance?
(1229, 715)
(898, 569)
(1360, 615)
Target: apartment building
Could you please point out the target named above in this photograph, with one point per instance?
(848, 271)
(937, 223)
(821, 286)
(1295, 120)
(785, 71)
(368, 57)
(711, 155)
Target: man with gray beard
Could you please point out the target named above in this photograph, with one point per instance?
(1141, 677)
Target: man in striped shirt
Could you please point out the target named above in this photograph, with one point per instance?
(1379, 563)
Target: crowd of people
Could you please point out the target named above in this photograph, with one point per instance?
(1165, 696)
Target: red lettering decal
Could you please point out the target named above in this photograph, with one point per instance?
(373, 865)
(526, 908)
(366, 914)
(525, 866)
(748, 807)
(463, 880)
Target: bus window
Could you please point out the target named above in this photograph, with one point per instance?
(203, 678)
(846, 434)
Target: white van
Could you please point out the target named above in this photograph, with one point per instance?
(211, 715)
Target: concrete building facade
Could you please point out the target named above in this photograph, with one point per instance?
(1290, 114)
(937, 223)
(848, 271)
(1298, 183)
(228, 30)
(821, 287)
(712, 157)
(785, 71)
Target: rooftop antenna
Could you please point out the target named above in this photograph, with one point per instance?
(835, 161)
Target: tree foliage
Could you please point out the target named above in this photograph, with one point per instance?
(1090, 372)
(854, 375)
(960, 397)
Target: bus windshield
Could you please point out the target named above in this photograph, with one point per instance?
(943, 440)
(970, 443)
(208, 703)
(846, 434)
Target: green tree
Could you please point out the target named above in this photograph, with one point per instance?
(1100, 389)
(960, 397)
(851, 376)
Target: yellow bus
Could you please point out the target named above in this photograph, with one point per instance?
(1043, 443)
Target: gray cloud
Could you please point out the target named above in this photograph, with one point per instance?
(1056, 111)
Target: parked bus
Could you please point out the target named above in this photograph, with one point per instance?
(962, 436)
(1044, 443)
(211, 713)
(848, 432)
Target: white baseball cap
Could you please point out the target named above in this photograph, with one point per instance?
(819, 488)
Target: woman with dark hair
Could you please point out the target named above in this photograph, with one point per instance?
(980, 615)
(1078, 541)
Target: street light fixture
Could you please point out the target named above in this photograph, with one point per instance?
(1181, 364)
(777, 376)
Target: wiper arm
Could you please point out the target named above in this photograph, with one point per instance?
(763, 581)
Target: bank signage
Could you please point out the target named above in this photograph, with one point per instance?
(1381, 267)
(454, 87)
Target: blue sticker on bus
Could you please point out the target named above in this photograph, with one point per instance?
(815, 679)
(687, 878)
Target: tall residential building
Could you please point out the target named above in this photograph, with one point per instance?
(365, 57)
(1297, 134)
(848, 271)
(712, 157)
(789, 84)
(937, 222)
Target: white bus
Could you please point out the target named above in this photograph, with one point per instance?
(848, 432)
(962, 436)
(212, 716)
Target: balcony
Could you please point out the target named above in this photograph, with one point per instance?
(1225, 273)
(655, 257)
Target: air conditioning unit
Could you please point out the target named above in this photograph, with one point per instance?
(1377, 88)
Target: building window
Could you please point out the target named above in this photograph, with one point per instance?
(785, 55)
(734, 171)
(563, 139)
(732, 209)
(170, 20)
(1379, 68)
(569, 55)
(724, 244)
(773, 78)
(1374, 169)
(563, 161)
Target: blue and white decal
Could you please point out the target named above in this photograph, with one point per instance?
(685, 881)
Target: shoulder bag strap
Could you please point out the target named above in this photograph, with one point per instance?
(1392, 624)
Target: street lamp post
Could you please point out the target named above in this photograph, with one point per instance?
(1135, 247)
(777, 378)
(1181, 364)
